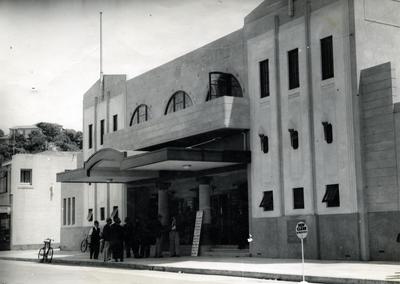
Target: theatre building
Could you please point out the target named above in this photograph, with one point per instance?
(291, 118)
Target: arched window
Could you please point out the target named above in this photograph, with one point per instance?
(223, 84)
(179, 100)
(141, 114)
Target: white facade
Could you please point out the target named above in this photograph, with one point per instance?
(35, 207)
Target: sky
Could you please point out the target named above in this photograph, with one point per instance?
(50, 50)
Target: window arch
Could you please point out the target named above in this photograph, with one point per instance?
(179, 100)
(223, 84)
(141, 114)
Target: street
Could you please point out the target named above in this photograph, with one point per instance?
(13, 272)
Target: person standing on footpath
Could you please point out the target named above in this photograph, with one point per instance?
(94, 240)
(174, 238)
(128, 236)
(117, 240)
(106, 236)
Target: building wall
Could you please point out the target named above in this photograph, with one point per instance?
(329, 100)
(36, 208)
(381, 127)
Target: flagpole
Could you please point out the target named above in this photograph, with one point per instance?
(101, 47)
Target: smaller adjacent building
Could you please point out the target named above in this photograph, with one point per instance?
(30, 198)
(22, 130)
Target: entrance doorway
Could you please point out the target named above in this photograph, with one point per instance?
(4, 231)
(229, 215)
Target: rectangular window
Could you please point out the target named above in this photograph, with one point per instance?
(328, 133)
(114, 212)
(90, 136)
(3, 182)
(264, 144)
(73, 211)
(264, 79)
(298, 198)
(294, 138)
(327, 58)
(331, 196)
(102, 214)
(115, 122)
(26, 176)
(90, 215)
(65, 211)
(268, 201)
(293, 65)
(69, 211)
(101, 131)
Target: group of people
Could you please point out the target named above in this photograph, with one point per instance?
(133, 238)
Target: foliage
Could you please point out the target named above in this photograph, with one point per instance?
(1, 133)
(48, 135)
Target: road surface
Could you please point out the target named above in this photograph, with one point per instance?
(16, 272)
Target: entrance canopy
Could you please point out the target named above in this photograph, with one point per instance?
(113, 166)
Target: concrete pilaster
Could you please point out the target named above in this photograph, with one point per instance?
(205, 205)
(163, 208)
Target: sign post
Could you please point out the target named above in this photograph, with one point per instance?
(301, 232)
(197, 233)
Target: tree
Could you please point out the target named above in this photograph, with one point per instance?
(50, 130)
(1, 133)
(37, 142)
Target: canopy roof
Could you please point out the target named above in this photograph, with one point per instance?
(112, 166)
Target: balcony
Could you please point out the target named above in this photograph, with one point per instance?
(220, 114)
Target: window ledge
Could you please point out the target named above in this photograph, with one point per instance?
(327, 82)
(25, 186)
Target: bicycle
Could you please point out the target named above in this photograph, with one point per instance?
(85, 244)
(46, 252)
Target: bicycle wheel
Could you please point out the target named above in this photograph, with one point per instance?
(41, 255)
(84, 245)
(49, 255)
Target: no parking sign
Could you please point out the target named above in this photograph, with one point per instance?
(301, 230)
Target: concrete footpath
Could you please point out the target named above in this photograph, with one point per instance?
(252, 267)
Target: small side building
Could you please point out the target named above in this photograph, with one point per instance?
(30, 198)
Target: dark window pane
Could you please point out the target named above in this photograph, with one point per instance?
(69, 211)
(264, 79)
(327, 58)
(90, 215)
(268, 201)
(139, 115)
(90, 136)
(223, 84)
(294, 138)
(73, 211)
(65, 211)
(101, 131)
(102, 213)
(298, 198)
(331, 196)
(328, 134)
(180, 100)
(293, 62)
(26, 176)
(264, 144)
(114, 212)
(115, 122)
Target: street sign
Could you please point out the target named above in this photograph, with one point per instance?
(301, 230)
(197, 233)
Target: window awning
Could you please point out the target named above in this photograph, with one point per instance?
(113, 166)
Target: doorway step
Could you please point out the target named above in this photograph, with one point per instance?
(227, 251)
